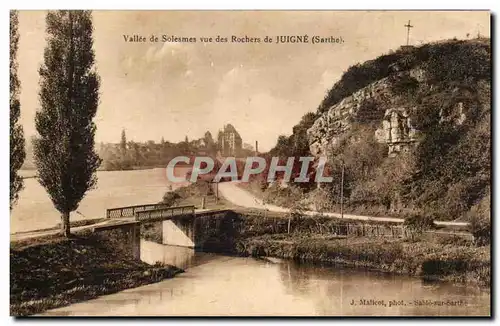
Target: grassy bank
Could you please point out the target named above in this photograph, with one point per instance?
(51, 272)
(426, 259)
(431, 255)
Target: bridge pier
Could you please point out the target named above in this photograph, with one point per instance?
(180, 225)
(126, 235)
(179, 232)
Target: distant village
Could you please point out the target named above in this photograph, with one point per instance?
(133, 155)
(127, 154)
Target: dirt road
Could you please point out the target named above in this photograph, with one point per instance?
(238, 196)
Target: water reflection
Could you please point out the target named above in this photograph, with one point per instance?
(181, 257)
(339, 287)
(215, 285)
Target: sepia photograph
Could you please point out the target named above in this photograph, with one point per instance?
(250, 163)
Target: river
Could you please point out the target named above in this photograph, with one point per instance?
(222, 285)
(215, 285)
(34, 209)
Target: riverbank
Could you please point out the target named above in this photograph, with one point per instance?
(428, 260)
(53, 271)
(441, 253)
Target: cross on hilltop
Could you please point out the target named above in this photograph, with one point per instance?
(408, 26)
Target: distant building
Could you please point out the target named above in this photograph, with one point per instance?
(229, 141)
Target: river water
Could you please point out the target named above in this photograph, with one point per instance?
(34, 209)
(215, 285)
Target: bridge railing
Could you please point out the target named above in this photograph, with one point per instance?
(163, 213)
(130, 211)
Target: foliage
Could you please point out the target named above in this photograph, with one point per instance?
(285, 196)
(480, 221)
(446, 61)
(123, 142)
(171, 198)
(296, 144)
(69, 95)
(424, 259)
(322, 199)
(404, 84)
(419, 222)
(17, 152)
(453, 159)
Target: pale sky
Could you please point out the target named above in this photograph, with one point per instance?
(170, 90)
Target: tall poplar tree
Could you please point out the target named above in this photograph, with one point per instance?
(123, 144)
(69, 96)
(17, 152)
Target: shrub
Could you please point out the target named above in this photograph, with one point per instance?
(419, 222)
(454, 240)
(170, 198)
(480, 221)
(404, 84)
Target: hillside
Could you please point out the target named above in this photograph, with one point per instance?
(412, 129)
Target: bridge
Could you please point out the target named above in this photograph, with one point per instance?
(150, 212)
(187, 226)
(177, 223)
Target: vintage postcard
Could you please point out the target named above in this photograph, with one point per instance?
(250, 163)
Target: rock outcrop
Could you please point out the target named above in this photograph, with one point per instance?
(334, 122)
(397, 131)
(376, 103)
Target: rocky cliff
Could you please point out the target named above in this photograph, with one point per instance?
(431, 102)
(379, 104)
(375, 103)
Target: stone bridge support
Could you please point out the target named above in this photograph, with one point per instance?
(179, 232)
(126, 235)
(206, 228)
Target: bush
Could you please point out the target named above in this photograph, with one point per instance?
(283, 196)
(454, 240)
(419, 222)
(170, 198)
(404, 84)
(480, 221)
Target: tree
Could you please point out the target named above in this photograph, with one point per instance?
(17, 153)
(69, 96)
(282, 148)
(209, 143)
(299, 139)
(123, 143)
